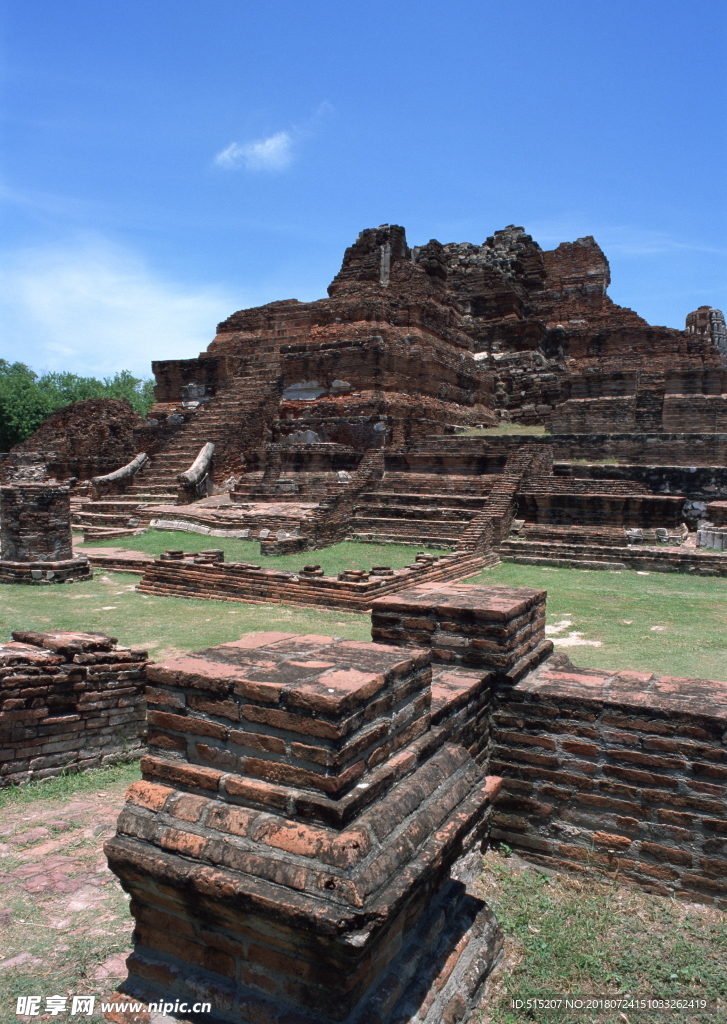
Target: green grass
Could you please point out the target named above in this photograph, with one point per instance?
(165, 626)
(348, 555)
(620, 609)
(592, 937)
(65, 785)
(501, 428)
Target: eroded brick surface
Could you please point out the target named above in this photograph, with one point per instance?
(295, 856)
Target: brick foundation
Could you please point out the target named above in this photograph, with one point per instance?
(624, 772)
(293, 848)
(35, 535)
(69, 701)
(619, 772)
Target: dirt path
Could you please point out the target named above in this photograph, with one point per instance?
(65, 928)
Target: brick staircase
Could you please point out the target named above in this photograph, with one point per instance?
(233, 420)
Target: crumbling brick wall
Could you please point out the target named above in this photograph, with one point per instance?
(624, 771)
(68, 701)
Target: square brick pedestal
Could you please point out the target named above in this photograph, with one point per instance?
(497, 629)
(290, 852)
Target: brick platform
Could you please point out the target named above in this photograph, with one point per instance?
(69, 701)
(293, 849)
(499, 629)
(35, 535)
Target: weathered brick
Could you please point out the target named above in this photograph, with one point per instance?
(666, 853)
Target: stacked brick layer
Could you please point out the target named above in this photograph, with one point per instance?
(499, 629)
(289, 850)
(239, 581)
(623, 772)
(35, 535)
(68, 701)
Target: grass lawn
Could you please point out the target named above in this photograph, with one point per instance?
(501, 428)
(587, 937)
(165, 626)
(666, 623)
(670, 624)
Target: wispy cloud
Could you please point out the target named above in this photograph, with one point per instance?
(616, 239)
(274, 152)
(94, 308)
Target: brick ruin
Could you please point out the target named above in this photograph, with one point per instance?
(312, 810)
(70, 701)
(35, 535)
(307, 423)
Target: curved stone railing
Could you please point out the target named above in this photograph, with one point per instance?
(120, 477)
(193, 482)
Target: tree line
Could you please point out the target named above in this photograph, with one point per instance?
(26, 399)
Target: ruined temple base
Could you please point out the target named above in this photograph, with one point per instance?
(440, 975)
(36, 573)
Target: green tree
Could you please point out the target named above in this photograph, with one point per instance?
(27, 399)
(23, 406)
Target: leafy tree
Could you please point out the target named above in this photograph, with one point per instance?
(27, 399)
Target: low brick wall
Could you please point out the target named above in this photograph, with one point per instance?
(68, 701)
(625, 772)
(194, 576)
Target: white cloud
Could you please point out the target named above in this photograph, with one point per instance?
(93, 308)
(272, 154)
(275, 152)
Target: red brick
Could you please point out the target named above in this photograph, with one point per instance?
(256, 791)
(661, 871)
(714, 866)
(258, 741)
(178, 723)
(611, 841)
(148, 795)
(582, 749)
(693, 881)
(520, 737)
(667, 853)
(647, 760)
(640, 778)
(229, 818)
(267, 693)
(518, 756)
(300, 724)
(190, 775)
(676, 818)
(157, 695)
(222, 708)
(219, 756)
(691, 803)
(185, 843)
(188, 807)
(166, 742)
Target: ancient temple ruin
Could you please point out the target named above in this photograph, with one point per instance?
(305, 423)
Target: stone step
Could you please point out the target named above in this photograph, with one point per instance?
(418, 537)
(369, 511)
(473, 502)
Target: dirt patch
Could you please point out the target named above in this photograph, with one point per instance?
(65, 928)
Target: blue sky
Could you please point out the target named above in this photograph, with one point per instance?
(167, 162)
